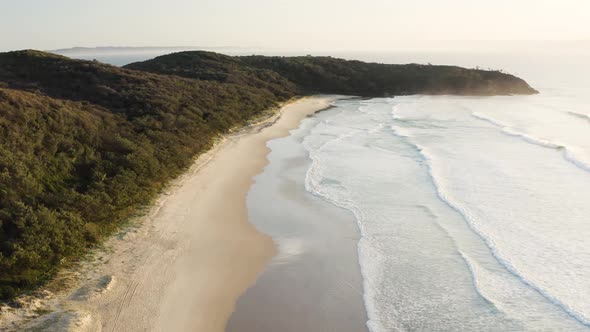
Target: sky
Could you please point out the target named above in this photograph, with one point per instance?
(282, 24)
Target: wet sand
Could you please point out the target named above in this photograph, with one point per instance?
(314, 281)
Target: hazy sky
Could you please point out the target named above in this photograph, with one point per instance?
(295, 24)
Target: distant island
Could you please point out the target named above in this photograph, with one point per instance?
(123, 55)
(83, 144)
(136, 49)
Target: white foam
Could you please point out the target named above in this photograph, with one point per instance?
(557, 294)
(444, 195)
(377, 174)
(580, 115)
(567, 151)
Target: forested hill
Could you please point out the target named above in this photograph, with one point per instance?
(84, 144)
(332, 75)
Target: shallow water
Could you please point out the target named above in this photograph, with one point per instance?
(465, 226)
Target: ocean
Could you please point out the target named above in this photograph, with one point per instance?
(473, 211)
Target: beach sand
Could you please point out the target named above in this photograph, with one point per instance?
(184, 265)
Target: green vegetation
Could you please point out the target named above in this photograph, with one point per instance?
(84, 144)
(330, 75)
(210, 66)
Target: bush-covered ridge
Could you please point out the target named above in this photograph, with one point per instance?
(209, 66)
(331, 75)
(83, 144)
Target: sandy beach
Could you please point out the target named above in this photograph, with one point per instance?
(226, 253)
(183, 266)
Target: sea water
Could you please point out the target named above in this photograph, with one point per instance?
(474, 212)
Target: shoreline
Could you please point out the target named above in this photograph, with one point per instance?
(244, 253)
(314, 283)
(196, 240)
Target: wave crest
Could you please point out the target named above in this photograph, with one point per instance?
(568, 152)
